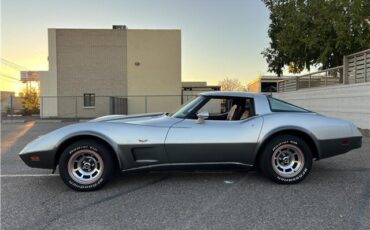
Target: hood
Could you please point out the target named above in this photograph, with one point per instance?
(148, 119)
(127, 117)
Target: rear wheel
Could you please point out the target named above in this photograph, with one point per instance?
(86, 165)
(286, 159)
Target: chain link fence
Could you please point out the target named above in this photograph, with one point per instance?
(93, 106)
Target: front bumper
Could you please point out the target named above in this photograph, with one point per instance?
(42, 159)
(332, 147)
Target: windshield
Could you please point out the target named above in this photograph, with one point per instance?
(188, 108)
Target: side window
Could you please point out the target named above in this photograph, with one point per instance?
(229, 108)
(282, 106)
(216, 106)
(89, 100)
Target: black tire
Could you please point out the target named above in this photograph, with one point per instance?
(86, 157)
(286, 159)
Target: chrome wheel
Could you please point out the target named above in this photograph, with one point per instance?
(287, 160)
(85, 166)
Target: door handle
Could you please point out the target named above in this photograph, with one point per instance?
(143, 140)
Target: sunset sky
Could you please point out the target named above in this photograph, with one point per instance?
(220, 38)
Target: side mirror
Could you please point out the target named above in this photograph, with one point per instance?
(202, 115)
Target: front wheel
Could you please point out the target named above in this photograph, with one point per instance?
(86, 165)
(286, 159)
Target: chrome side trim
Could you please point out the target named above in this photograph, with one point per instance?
(186, 164)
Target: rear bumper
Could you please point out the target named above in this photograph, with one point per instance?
(333, 147)
(42, 159)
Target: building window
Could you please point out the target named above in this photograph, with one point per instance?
(89, 99)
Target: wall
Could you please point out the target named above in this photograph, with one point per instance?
(255, 86)
(194, 84)
(153, 68)
(89, 61)
(349, 102)
(104, 62)
(48, 92)
(48, 81)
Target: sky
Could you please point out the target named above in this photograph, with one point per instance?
(220, 38)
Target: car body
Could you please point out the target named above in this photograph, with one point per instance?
(157, 140)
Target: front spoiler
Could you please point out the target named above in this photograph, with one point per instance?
(332, 147)
(42, 159)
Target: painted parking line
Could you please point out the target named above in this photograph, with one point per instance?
(28, 175)
(8, 141)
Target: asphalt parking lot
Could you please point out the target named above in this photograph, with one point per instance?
(336, 195)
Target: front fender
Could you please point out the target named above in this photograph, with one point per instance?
(89, 134)
(43, 151)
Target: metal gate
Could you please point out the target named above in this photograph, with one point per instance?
(118, 105)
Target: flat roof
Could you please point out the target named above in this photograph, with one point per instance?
(230, 94)
(110, 29)
(268, 78)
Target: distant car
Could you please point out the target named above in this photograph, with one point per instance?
(214, 129)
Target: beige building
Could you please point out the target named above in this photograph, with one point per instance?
(94, 72)
(264, 84)
(191, 89)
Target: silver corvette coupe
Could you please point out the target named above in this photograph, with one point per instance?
(215, 129)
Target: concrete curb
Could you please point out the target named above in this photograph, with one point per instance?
(48, 121)
(365, 132)
(12, 121)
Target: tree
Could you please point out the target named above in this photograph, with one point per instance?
(231, 85)
(304, 33)
(30, 101)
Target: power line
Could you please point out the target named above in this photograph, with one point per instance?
(13, 65)
(9, 77)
